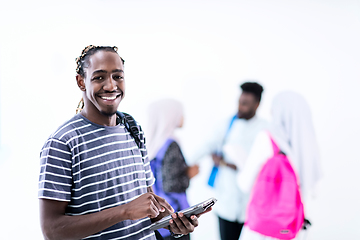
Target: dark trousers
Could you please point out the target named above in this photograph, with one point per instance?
(229, 230)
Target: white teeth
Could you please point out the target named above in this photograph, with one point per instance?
(109, 98)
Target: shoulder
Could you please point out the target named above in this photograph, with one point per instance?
(174, 146)
(173, 154)
(75, 122)
(130, 119)
(261, 121)
(60, 136)
(222, 120)
(173, 149)
(223, 123)
(259, 124)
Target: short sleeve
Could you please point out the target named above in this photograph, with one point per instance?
(55, 179)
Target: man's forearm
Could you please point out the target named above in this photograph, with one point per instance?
(60, 226)
(55, 224)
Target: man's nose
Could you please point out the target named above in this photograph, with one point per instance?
(110, 84)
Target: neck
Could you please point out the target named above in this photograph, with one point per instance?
(99, 118)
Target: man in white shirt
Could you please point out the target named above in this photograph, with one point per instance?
(229, 149)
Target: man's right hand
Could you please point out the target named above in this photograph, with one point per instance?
(147, 205)
(217, 159)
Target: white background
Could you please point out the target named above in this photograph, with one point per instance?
(198, 52)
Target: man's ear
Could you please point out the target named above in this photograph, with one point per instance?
(80, 82)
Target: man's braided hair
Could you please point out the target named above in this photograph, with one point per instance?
(82, 62)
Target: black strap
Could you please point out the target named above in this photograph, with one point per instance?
(130, 124)
(306, 224)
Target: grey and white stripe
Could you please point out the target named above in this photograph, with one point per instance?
(96, 167)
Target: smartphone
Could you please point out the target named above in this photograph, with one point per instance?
(188, 212)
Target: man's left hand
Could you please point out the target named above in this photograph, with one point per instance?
(180, 224)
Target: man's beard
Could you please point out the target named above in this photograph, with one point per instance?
(247, 115)
(108, 114)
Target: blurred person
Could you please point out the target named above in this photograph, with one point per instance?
(95, 182)
(168, 164)
(293, 132)
(229, 146)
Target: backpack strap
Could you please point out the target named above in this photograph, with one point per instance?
(130, 124)
(215, 169)
(306, 224)
(228, 129)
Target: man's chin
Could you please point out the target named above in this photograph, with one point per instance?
(243, 116)
(240, 115)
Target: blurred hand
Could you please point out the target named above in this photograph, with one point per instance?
(217, 159)
(192, 171)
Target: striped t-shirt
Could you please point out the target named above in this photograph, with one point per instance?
(95, 167)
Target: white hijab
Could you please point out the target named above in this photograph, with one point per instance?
(164, 116)
(293, 130)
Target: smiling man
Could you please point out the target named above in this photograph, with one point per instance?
(95, 182)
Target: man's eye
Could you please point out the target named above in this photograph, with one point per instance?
(118, 77)
(98, 78)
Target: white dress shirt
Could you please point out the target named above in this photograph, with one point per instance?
(231, 202)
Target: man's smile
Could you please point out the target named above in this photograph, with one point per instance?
(109, 97)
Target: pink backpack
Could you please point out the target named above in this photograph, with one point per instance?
(275, 208)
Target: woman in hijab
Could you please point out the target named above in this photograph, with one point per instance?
(292, 130)
(168, 164)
